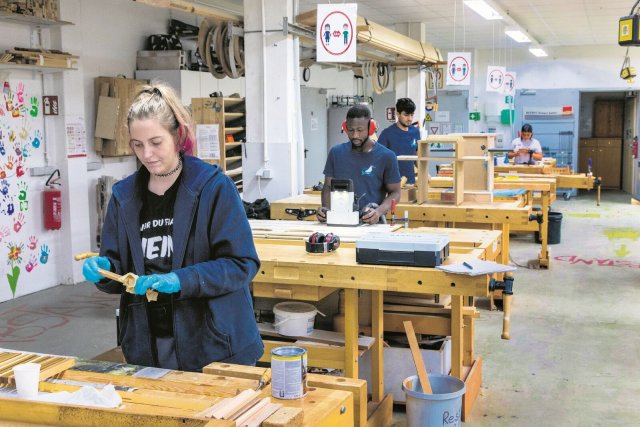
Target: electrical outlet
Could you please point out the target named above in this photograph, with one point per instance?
(265, 173)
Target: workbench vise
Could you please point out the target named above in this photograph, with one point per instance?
(538, 217)
(344, 210)
(506, 286)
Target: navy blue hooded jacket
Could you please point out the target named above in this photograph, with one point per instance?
(214, 258)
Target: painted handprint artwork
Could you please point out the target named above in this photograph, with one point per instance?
(24, 245)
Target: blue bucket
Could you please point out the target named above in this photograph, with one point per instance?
(442, 408)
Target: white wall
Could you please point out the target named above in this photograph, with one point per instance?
(583, 67)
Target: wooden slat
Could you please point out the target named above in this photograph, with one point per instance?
(56, 414)
(285, 417)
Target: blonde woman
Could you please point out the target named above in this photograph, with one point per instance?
(179, 224)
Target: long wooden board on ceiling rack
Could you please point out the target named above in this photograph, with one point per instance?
(195, 8)
(386, 40)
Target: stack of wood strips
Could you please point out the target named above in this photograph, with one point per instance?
(247, 408)
(43, 58)
(47, 9)
(49, 365)
(5, 57)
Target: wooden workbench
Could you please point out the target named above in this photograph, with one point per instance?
(502, 215)
(175, 398)
(286, 266)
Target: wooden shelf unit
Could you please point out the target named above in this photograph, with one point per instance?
(18, 18)
(28, 67)
(229, 115)
(472, 166)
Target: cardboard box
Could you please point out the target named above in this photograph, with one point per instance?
(398, 365)
(113, 98)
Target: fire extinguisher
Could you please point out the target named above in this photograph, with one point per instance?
(52, 203)
(634, 147)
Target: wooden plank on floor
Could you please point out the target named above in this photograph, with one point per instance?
(473, 381)
(380, 413)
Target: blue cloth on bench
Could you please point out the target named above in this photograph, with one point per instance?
(509, 193)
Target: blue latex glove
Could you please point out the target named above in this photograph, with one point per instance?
(166, 283)
(91, 266)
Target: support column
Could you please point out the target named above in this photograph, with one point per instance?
(272, 103)
(74, 236)
(410, 81)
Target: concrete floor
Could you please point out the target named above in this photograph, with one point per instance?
(573, 359)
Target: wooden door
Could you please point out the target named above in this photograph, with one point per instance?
(610, 163)
(608, 118)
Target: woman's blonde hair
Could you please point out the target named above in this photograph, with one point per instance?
(160, 102)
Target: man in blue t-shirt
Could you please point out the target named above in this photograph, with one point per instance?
(372, 168)
(402, 137)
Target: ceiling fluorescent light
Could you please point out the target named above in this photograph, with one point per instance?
(483, 9)
(537, 51)
(518, 36)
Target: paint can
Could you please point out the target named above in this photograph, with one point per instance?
(288, 372)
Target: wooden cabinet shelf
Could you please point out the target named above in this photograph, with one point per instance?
(229, 115)
(606, 159)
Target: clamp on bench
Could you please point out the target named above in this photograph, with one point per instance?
(300, 213)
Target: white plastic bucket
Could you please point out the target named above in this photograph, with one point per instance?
(293, 318)
(441, 408)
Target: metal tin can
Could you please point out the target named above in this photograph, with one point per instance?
(288, 372)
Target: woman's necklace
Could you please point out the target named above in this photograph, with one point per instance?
(171, 172)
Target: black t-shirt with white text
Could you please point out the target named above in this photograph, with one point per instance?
(156, 230)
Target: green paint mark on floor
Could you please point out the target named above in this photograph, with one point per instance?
(584, 215)
(622, 233)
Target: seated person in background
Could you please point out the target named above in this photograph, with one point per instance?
(526, 149)
(372, 168)
(402, 138)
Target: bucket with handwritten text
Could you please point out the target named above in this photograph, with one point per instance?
(441, 408)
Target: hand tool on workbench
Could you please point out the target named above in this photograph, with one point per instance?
(128, 280)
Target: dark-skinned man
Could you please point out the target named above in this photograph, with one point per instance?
(372, 167)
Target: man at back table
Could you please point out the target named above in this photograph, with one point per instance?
(402, 138)
(526, 149)
(372, 168)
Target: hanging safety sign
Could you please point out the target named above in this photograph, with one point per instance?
(459, 69)
(336, 32)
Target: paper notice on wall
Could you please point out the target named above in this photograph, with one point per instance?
(495, 78)
(442, 116)
(76, 137)
(459, 69)
(208, 142)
